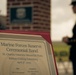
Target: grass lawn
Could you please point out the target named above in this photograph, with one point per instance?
(61, 51)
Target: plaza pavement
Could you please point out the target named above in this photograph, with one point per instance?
(64, 68)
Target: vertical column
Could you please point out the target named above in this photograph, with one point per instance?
(38, 12)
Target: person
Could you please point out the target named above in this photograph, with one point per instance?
(72, 41)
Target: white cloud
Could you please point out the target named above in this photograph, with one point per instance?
(3, 7)
(61, 12)
(59, 31)
(62, 19)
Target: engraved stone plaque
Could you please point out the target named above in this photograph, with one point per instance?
(24, 54)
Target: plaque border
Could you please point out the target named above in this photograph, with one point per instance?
(45, 35)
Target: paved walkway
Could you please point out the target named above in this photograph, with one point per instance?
(64, 68)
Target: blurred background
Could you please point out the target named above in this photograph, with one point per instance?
(62, 21)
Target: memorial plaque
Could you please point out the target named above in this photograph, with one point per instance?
(25, 54)
(21, 15)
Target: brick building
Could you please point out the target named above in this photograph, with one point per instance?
(37, 17)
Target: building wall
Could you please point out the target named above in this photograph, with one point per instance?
(40, 15)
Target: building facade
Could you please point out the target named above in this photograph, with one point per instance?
(29, 15)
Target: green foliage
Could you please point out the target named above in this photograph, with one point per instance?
(61, 51)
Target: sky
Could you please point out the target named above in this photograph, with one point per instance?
(62, 18)
(3, 7)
